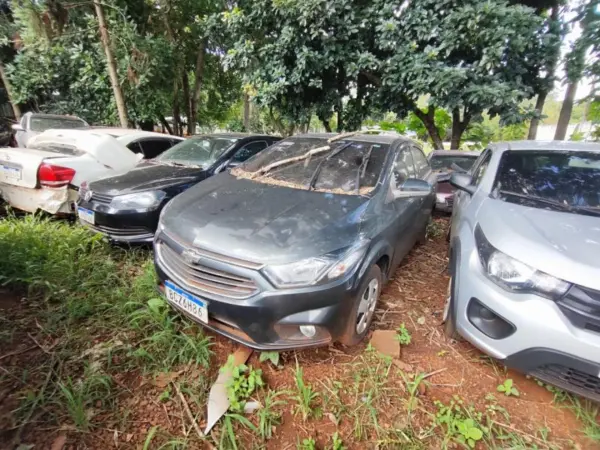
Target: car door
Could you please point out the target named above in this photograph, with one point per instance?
(462, 199)
(406, 209)
(424, 173)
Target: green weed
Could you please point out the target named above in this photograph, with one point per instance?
(403, 335)
(462, 424)
(508, 388)
(245, 380)
(336, 442)
(269, 356)
(307, 444)
(305, 395)
(268, 416)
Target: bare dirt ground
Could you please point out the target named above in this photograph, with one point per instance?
(369, 401)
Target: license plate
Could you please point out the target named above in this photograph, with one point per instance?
(86, 215)
(11, 173)
(189, 303)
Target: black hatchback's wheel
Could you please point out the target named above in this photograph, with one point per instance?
(363, 309)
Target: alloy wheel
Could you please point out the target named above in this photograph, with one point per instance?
(367, 305)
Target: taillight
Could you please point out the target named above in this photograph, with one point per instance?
(55, 176)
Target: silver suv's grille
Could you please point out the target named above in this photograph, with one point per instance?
(203, 279)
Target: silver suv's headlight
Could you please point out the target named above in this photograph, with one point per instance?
(312, 271)
(515, 275)
(149, 199)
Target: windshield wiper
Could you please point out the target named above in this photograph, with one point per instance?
(550, 202)
(317, 171)
(362, 169)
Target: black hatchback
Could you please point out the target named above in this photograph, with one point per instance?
(126, 207)
(292, 248)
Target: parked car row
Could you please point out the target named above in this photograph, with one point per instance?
(287, 244)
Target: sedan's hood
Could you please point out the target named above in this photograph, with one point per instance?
(263, 223)
(147, 176)
(561, 244)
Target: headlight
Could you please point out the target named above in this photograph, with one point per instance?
(314, 270)
(514, 275)
(148, 199)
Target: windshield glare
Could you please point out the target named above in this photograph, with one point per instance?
(342, 173)
(197, 151)
(571, 179)
(444, 162)
(47, 123)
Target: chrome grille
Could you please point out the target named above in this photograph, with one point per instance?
(203, 279)
(120, 232)
(101, 198)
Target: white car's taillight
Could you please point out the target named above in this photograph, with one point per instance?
(55, 176)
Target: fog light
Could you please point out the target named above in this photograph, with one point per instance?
(308, 330)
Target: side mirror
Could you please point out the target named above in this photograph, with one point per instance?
(413, 188)
(17, 127)
(231, 164)
(463, 182)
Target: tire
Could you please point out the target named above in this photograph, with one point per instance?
(353, 334)
(449, 316)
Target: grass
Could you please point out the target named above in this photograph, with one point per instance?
(305, 396)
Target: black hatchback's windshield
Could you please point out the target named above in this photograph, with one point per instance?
(445, 162)
(197, 151)
(347, 167)
(564, 181)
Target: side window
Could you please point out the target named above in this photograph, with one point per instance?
(151, 148)
(421, 164)
(403, 167)
(248, 151)
(480, 168)
(135, 147)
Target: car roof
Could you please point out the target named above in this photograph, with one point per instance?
(454, 153)
(234, 135)
(120, 132)
(547, 145)
(54, 116)
(361, 137)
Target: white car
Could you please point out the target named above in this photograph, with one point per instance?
(47, 175)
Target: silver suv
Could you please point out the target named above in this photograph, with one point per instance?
(525, 260)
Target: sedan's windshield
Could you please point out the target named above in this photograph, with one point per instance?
(558, 180)
(445, 162)
(345, 166)
(41, 123)
(197, 151)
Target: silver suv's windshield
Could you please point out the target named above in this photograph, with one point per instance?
(562, 181)
(197, 151)
(346, 167)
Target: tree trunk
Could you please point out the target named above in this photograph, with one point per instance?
(326, 124)
(246, 113)
(176, 114)
(458, 127)
(112, 66)
(199, 79)
(340, 117)
(187, 102)
(8, 88)
(428, 120)
(541, 99)
(565, 112)
(165, 124)
(539, 107)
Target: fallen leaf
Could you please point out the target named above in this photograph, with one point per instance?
(405, 367)
(59, 442)
(250, 407)
(163, 379)
(421, 320)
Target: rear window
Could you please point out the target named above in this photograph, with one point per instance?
(354, 169)
(446, 162)
(37, 123)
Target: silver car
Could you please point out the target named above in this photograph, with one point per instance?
(525, 260)
(32, 124)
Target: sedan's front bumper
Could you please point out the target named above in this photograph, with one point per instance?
(537, 338)
(268, 319)
(130, 227)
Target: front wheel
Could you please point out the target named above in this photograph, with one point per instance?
(363, 309)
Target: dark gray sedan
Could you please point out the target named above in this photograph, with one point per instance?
(292, 248)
